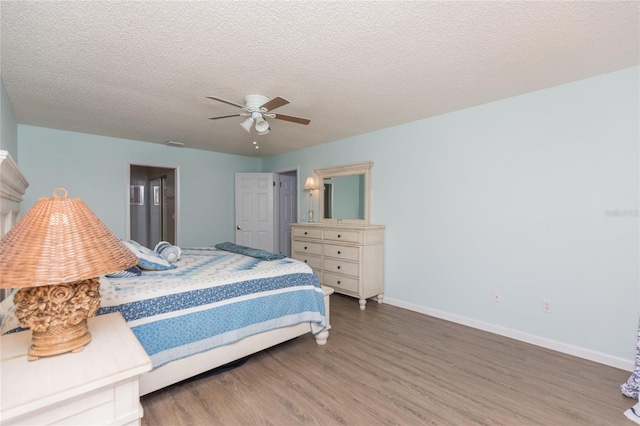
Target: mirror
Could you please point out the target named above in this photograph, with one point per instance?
(344, 194)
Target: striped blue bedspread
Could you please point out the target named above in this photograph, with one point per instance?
(211, 299)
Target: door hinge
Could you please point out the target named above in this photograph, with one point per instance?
(274, 183)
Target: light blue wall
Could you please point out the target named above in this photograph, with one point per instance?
(8, 125)
(517, 196)
(95, 169)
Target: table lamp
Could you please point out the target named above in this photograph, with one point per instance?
(56, 254)
(310, 184)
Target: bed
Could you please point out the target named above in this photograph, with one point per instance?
(210, 308)
(216, 307)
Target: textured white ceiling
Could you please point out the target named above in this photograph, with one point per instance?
(142, 70)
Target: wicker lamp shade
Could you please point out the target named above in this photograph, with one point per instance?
(56, 253)
(60, 240)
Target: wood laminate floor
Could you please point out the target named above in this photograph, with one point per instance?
(391, 366)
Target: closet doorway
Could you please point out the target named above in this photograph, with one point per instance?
(153, 204)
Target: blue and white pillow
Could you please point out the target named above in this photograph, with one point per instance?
(168, 251)
(148, 259)
(134, 271)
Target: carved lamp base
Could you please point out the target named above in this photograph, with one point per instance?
(57, 316)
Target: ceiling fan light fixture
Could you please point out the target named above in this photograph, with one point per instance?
(262, 127)
(259, 108)
(246, 124)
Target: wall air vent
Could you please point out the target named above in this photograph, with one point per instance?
(174, 143)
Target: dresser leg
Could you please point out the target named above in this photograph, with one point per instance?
(380, 297)
(363, 304)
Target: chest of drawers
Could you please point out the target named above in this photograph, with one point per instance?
(348, 258)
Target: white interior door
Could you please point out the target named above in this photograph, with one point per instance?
(254, 210)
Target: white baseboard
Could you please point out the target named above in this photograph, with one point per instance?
(599, 357)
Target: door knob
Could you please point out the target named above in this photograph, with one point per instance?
(238, 228)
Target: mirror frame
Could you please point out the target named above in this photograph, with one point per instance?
(348, 170)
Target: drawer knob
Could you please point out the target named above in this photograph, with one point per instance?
(305, 247)
(305, 261)
(338, 282)
(338, 251)
(338, 235)
(338, 266)
(305, 232)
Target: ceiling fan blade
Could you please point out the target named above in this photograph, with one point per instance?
(225, 116)
(274, 103)
(292, 119)
(226, 102)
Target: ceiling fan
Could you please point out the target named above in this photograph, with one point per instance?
(257, 109)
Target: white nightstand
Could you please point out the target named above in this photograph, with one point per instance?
(96, 386)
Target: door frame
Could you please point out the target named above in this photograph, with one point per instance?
(127, 213)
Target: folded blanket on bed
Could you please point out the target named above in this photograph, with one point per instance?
(248, 251)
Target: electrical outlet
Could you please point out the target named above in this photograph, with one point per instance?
(546, 305)
(497, 296)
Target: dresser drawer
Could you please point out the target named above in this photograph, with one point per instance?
(340, 282)
(311, 260)
(338, 235)
(341, 266)
(307, 233)
(307, 247)
(342, 252)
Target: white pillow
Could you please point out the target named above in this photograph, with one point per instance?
(148, 259)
